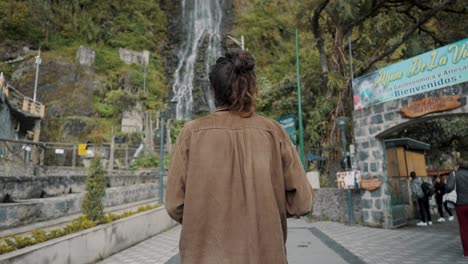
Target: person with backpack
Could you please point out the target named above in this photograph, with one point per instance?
(421, 192)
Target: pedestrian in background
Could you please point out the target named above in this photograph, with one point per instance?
(235, 176)
(459, 183)
(449, 200)
(439, 187)
(423, 200)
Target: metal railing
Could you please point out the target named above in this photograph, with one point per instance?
(70, 155)
(19, 150)
(52, 154)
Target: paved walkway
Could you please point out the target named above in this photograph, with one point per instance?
(331, 243)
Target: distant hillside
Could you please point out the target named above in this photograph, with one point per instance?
(80, 98)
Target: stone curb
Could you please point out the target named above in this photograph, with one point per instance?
(94, 244)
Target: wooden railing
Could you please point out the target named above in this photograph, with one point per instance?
(23, 103)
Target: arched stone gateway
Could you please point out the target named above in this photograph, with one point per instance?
(372, 124)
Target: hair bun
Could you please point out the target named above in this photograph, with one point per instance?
(241, 60)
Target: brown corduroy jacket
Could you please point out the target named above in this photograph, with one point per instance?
(232, 183)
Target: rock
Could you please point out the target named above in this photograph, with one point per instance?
(58, 79)
(10, 51)
(131, 56)
(85, 56)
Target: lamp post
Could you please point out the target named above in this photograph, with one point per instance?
(341, 121)
(38, 62)
(162, 116)
(299, 100)
(161, 157)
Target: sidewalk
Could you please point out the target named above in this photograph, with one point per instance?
(331, 243)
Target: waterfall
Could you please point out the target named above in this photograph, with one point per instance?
(201, 20)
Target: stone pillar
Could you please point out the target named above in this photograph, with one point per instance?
(370, 151)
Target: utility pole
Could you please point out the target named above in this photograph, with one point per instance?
(38, 62)
(341, 121)
(112, 149)
(299, 99)
(161, 158)
(299, 104)
(37, 122)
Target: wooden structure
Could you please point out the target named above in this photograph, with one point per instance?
(24, 104)
(408, 155)
(403, 155)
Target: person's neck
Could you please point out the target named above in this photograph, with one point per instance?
(221, 108)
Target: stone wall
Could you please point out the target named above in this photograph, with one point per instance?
(371, 125)
(25, 212)
(28, 187)
(332, 204)
(6, 129)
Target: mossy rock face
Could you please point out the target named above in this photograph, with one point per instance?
(76, 129)
(10, 50)
(64, 87)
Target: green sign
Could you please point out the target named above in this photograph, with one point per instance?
(429, 71)
(288, 122)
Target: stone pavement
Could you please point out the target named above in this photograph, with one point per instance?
(156, 250)
(331, 243)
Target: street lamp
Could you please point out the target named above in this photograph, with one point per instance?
(341, 121)
(299, 100)
(161, 157)
(162, 115)
(38, 62)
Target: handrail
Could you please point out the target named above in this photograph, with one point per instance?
(23, 142)
(24, 103)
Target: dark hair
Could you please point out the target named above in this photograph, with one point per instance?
(412, 174)
(463, 163)
(234, 82)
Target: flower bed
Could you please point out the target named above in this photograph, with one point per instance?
(94, 244)
(12, 243)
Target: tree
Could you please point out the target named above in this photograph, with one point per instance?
(445, 135)
(92, 206)
(381, 33)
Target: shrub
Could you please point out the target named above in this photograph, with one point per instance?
(150, 160)
(92, 206)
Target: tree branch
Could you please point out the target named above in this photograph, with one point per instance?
(433, 36)
(377, 5)
(428, 15)
(314, 22)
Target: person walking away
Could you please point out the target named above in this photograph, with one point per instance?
(459, 183)
(235, 176)
(449, 200)
(423, 200)
(439, 187)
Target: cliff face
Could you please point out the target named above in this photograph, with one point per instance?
(75, 90)
(64, 86)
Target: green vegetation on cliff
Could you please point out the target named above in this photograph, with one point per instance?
(58, 28)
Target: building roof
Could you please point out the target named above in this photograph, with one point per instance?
(407, 142)
(438, 172)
